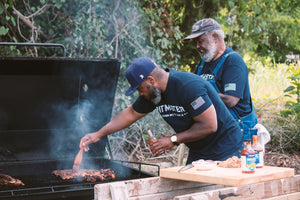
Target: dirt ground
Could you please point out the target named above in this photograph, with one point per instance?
(283, 160)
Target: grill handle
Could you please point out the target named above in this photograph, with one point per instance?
(35, 44)
(140, 165)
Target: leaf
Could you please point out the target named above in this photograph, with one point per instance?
(230, 4)
(290, 88)
(293, 78)
(256, 30)
(1, 10)
(257, 10)
(264, 24)
(285, 113)
(297, 107)
(13, 21)
(3, 30)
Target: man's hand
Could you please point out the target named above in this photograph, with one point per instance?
(160, 145)
(88, 139)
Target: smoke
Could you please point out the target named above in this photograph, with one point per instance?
(69, 123)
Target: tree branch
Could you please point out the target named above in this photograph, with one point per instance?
(29, 23)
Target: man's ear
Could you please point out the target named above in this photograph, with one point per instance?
(150, 79)
(215, 37)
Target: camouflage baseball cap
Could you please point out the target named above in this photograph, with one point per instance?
(203, 26)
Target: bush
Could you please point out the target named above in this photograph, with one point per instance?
(276, 100)
(289, 139)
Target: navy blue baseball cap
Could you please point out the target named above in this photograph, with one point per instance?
(137, 72)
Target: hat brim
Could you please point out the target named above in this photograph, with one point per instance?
(194, 35)
(131, 90)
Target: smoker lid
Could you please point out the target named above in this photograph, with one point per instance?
(48, 104)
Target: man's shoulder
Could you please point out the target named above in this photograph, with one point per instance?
(185, 80)
(182, 75)
(234, 58)
(231, 53)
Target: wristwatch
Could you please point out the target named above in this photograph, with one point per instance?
(174, 139)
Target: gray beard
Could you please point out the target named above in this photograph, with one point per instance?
(210, 54)
(156, 96)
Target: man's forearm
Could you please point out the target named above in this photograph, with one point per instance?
(124, 119)
(228, 100)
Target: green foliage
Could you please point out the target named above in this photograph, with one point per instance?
(293, 91)
(269, 27)
(264, 32)
(269, 84)
(165, 34)
(286, 137)
(267, 80)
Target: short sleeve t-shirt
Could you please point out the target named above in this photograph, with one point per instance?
(186, 96)
(231, 79)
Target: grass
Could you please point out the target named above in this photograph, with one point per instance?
(267, 84)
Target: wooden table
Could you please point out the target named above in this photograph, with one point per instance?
(228, 176)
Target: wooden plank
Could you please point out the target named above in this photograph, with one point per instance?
(151, 188)
(228, 176)
(118, 191)
(293, 196)
(163, 188)
(287, 188)
(102, 192)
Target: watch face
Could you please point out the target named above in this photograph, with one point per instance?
(174, 138)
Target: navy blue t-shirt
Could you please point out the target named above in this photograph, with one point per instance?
(186, 96)
(231, 79)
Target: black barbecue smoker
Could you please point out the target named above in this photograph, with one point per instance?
(46, 106)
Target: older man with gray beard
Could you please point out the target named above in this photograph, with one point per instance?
(226, 70)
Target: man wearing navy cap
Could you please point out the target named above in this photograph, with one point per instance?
(226, 70)
(187, 102)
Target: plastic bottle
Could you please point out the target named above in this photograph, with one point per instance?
(248, 158)
(259, 154)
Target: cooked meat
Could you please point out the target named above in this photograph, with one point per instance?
(66, 174)
(6, 180)
(87, 175)
(233, 162)
(108, 174)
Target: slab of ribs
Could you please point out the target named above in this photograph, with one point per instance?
(87, 175)
(8, 181)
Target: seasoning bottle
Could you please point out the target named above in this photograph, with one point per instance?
(151, 138)
(258, 149)
(248, 158)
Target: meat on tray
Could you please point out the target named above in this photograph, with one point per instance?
(87, 175)
(233, 162)
(6, 180)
